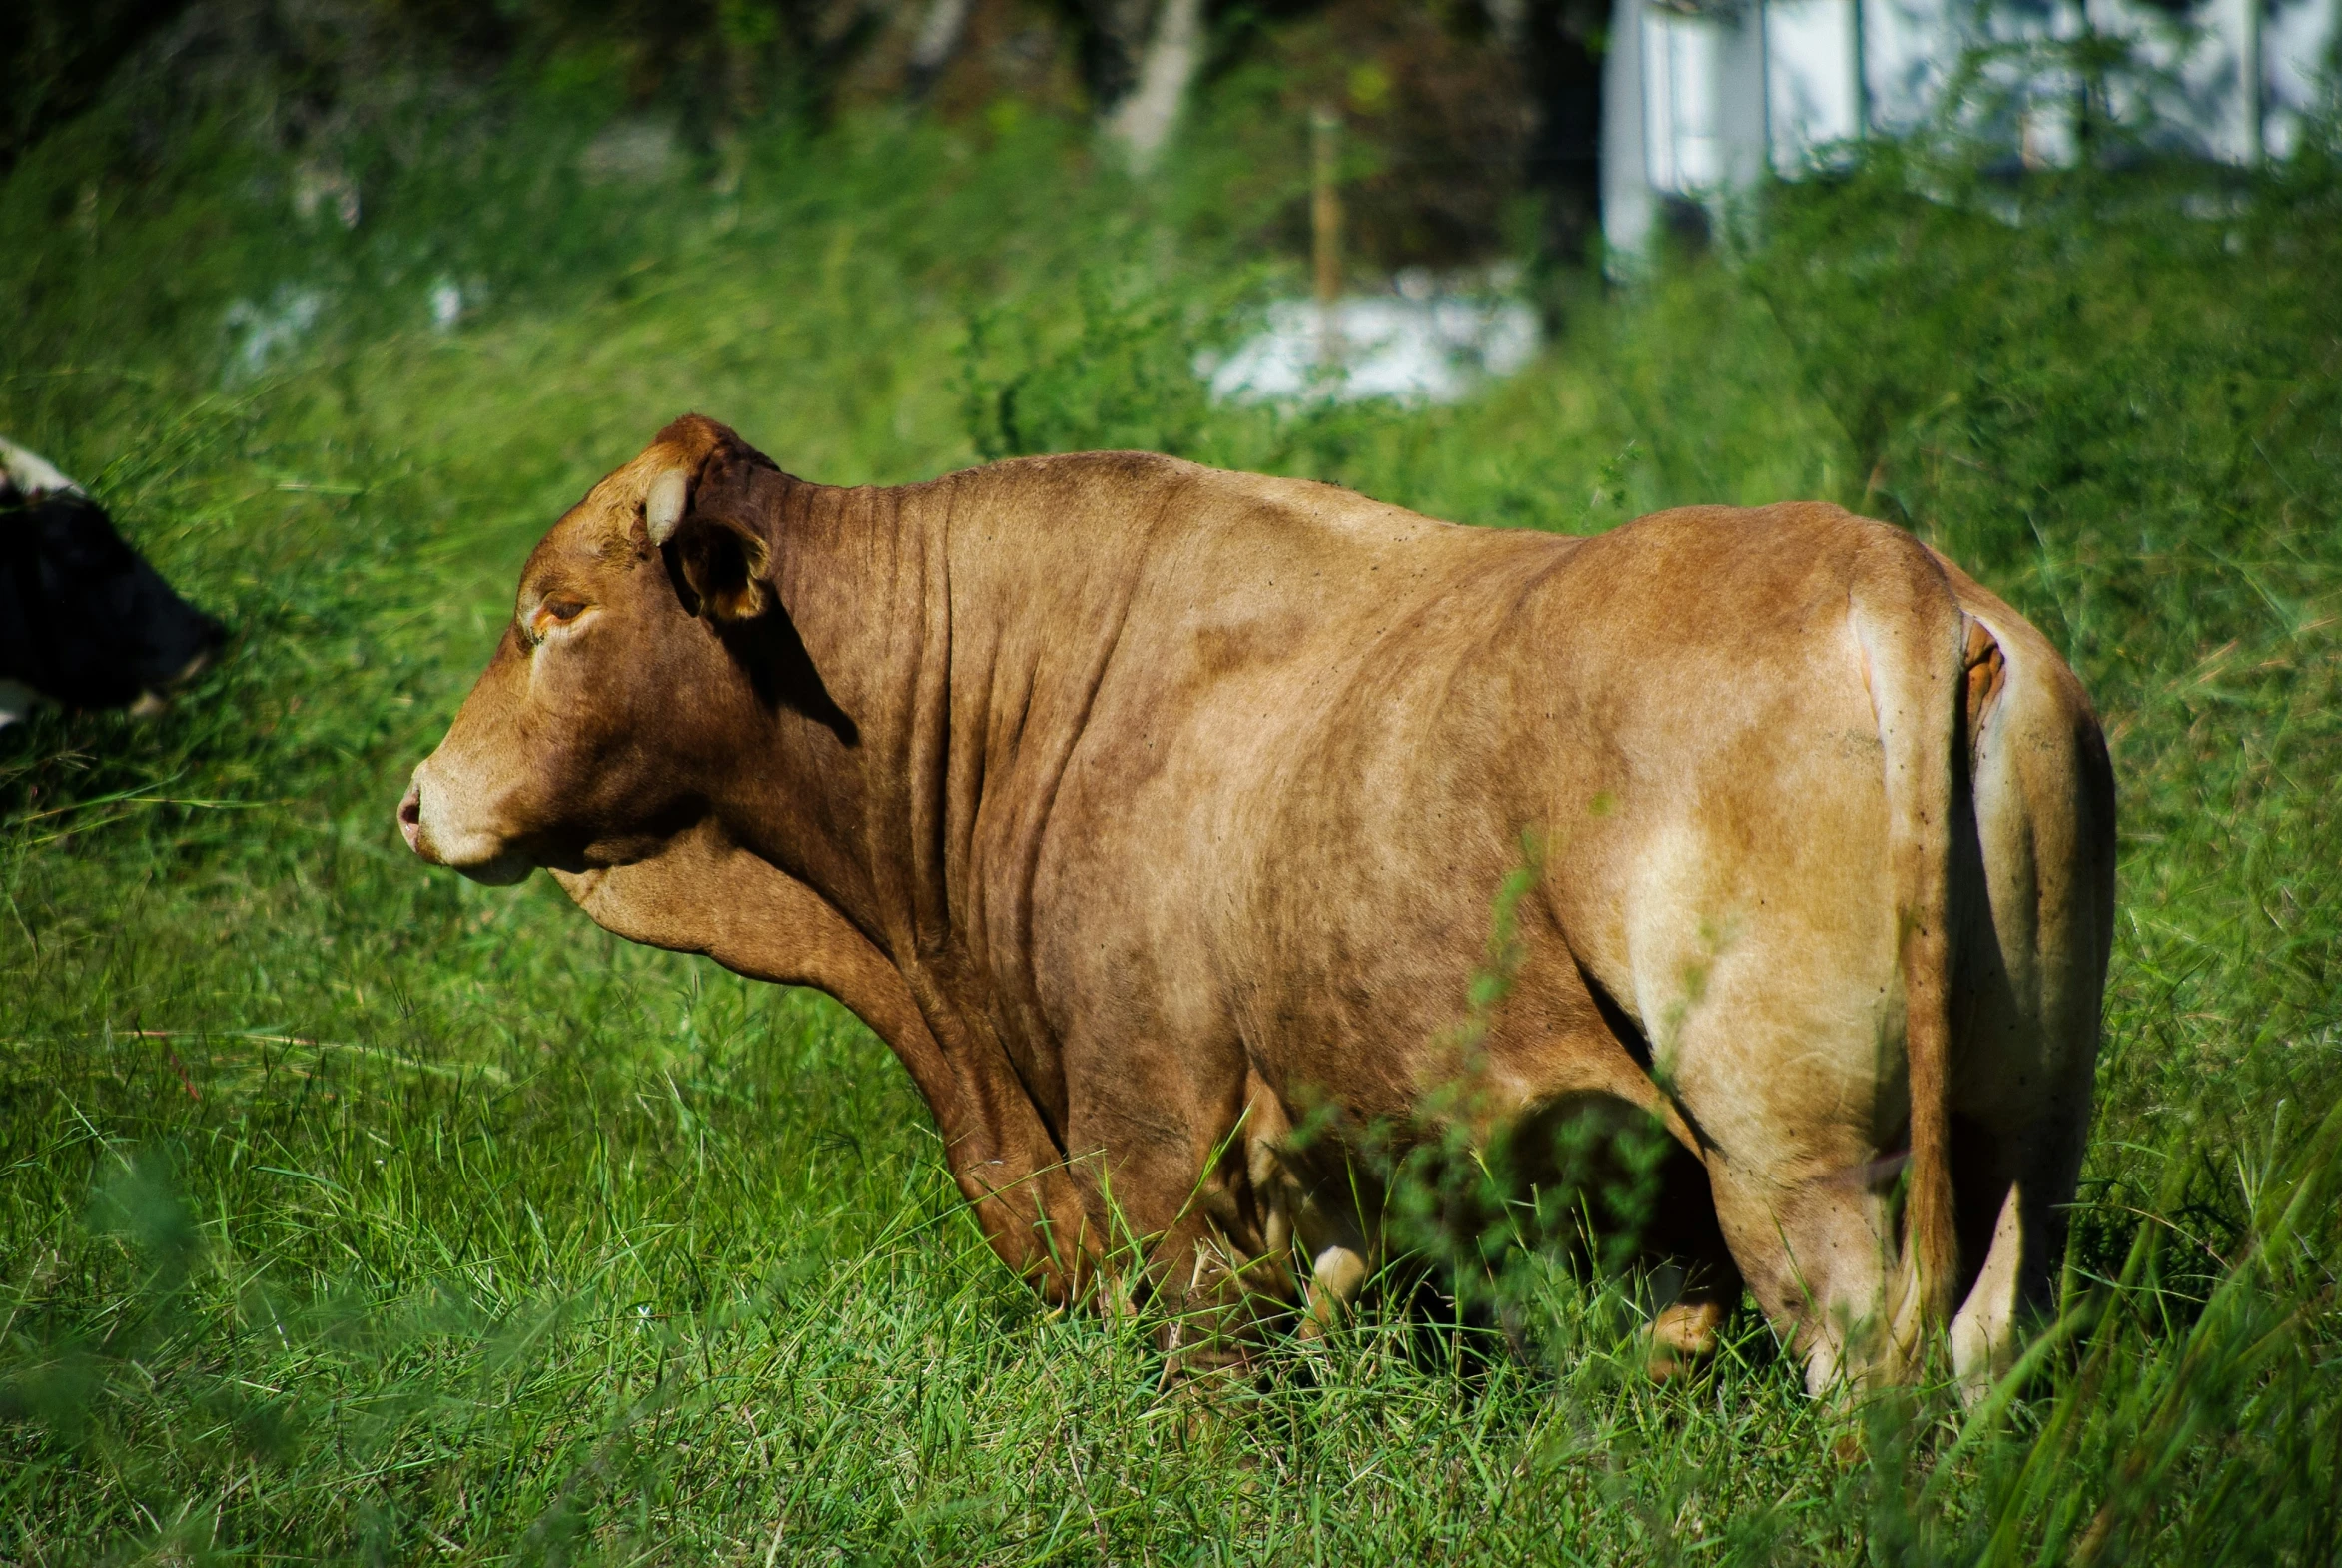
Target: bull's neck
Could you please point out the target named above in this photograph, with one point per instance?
(812, 798)
(962, 627)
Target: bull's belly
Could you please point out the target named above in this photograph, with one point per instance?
(1669, 961)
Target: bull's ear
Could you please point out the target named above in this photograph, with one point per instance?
(719, 567)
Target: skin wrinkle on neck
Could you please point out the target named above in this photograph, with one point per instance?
(1031, 850)
(940, 795)
(926, 681)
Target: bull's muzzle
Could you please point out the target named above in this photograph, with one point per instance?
(479, 856)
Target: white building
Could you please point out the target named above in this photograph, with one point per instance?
(1702, 96)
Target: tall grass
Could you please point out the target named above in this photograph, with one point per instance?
(350, 1210)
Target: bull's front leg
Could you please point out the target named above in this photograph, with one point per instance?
(1320, 1215)
(1201, 1220)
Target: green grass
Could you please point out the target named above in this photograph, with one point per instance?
(349, 1211)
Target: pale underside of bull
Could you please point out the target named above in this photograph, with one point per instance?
(1147, 811)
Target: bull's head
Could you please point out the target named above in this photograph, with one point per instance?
(618, 699)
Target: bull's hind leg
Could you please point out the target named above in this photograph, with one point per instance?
(1791, 1076)
(2014, 1186)
(2035, 882)
(1817, 1254)
(2021, 1086)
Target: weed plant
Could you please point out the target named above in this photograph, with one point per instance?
(349, 1210)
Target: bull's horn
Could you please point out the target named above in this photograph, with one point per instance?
(662, 508)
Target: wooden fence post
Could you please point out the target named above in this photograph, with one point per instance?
(1326, 224)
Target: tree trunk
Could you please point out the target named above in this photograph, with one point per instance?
(1144, 120)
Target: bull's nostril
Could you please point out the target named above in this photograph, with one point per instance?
(411, 817)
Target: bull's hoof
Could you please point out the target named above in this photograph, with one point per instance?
(1683, 1338)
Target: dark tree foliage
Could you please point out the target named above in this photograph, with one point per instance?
(1456, 109)
(60, 53)
(1561, 64)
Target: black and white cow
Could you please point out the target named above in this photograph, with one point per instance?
(84, 621)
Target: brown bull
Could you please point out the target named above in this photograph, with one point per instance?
(1147, 811)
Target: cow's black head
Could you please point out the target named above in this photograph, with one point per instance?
(84, 621)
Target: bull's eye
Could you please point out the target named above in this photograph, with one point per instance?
(557, 612)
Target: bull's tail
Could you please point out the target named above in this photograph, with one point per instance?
(1915, 642)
